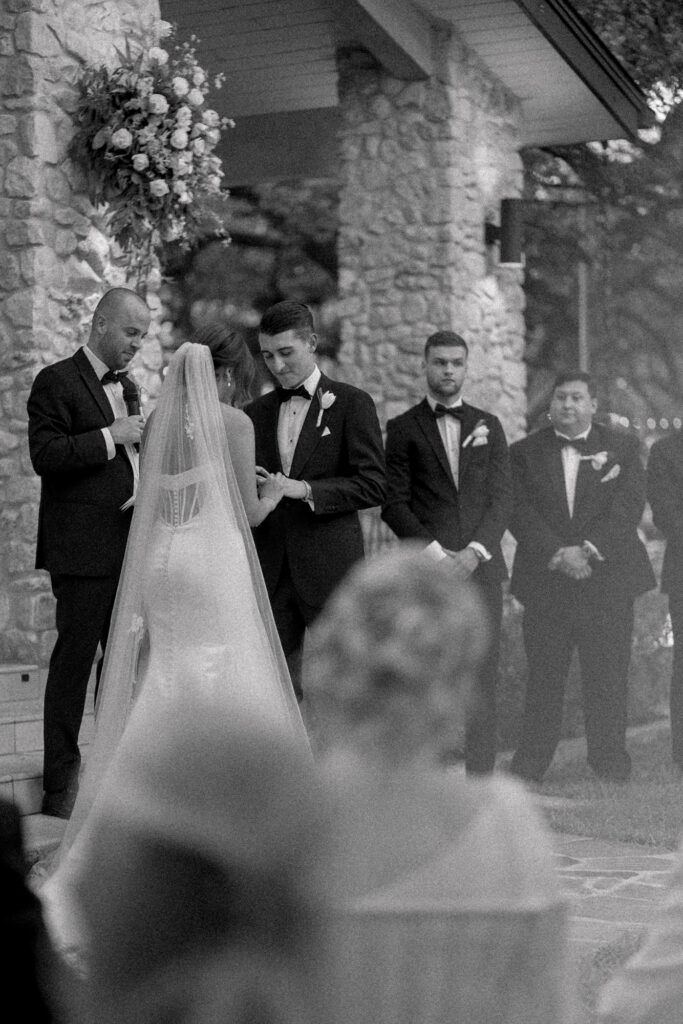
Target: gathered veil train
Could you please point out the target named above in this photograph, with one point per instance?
(192, 620)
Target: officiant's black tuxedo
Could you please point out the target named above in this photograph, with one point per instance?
(665, 494)
(423, 502)
(593, 615)
(342, 459)
(81, 541)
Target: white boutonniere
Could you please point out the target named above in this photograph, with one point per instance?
(479, 436)
(326, 399)
(597, 460)
(612, 475)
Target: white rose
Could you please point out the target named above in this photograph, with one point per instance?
(158, 104)
(140, 162)
(164, 29)
(198, 77)
(213, 137)
(181, 86)
(183, 117)
(158, 188)
(158, 55)
(179, 139)
(121, 139)
(210, 118)
(213, 183)
(195, 97)
(198, 147)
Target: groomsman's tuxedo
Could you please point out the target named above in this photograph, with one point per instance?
(82, 535)
(665, 494)
(591, 498)
(468, 505)
(305, 547)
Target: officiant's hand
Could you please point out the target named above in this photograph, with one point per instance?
(128, 429)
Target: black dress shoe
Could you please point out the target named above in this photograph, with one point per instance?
(58, 805)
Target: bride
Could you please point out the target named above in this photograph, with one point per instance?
(192, 623)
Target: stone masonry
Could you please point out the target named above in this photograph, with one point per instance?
(423, 165)
(56, 262)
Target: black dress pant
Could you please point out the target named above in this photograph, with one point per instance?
(676, 691)
(292, 617)
(600, 630)
(480, 736)
(83, 614)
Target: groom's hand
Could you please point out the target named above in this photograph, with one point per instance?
(463, 563)
(292, 488)
(127, 429)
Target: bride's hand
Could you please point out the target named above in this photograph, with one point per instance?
(271, 487)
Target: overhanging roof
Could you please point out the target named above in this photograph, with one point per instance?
(278, 57)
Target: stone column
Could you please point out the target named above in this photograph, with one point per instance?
(55, 263)
(423, 165)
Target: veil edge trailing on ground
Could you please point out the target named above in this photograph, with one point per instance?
(186, 441)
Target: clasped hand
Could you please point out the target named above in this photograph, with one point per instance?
(127, 429)
(272, 485)
(573, 561)
(462, 563)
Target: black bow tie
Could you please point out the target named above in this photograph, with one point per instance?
(284, 394)
(456, 411)
(110, 377)
(580, 443)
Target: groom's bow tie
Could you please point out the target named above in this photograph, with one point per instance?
(580, 443)
(284, 394)
(456, 411)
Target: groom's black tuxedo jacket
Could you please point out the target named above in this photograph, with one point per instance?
(81, 530)
(665, 494)
(608, 505)
(343, 461)
(422, 498)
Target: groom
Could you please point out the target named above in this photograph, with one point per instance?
(325, 438)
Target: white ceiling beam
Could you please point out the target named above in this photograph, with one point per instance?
(394, 31)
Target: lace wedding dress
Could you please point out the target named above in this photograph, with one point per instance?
(192, 623)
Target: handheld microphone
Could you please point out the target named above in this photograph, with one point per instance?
(131, 396)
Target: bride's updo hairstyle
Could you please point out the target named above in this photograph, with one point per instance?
(393, 656)
(231, 357)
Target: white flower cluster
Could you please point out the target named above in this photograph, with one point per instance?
(146, 141)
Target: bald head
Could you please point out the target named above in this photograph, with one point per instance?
(119, 325)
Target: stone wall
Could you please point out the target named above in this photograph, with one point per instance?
(56, 262)
(424, 164)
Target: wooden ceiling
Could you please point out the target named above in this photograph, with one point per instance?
(278, 57)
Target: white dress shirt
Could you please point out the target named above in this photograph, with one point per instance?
(571, 461)
(450, 430)
(291, 419)
(114, 393)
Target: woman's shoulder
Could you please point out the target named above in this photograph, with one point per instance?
(237, 423)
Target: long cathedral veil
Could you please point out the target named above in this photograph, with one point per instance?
(186, 470)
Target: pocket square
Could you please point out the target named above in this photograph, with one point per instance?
(326, 432)
(479, 441)
(612, 475)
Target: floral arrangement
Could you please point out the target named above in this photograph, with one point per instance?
(146, 139)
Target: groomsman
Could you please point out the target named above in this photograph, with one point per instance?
(448, 484)
(82, 444)
(324, 437)
(665, 494)
(579, 496)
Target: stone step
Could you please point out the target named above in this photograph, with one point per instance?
(21, 726)
(21, 767)
(21, 682)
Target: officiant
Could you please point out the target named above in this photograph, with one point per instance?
(84, 429)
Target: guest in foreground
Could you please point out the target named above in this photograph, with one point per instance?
(449, 485)
(201, 890)
(82, 445)
(323, 439)
(648, 989)
(579, 495)
(665, 494)
(448, 904)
